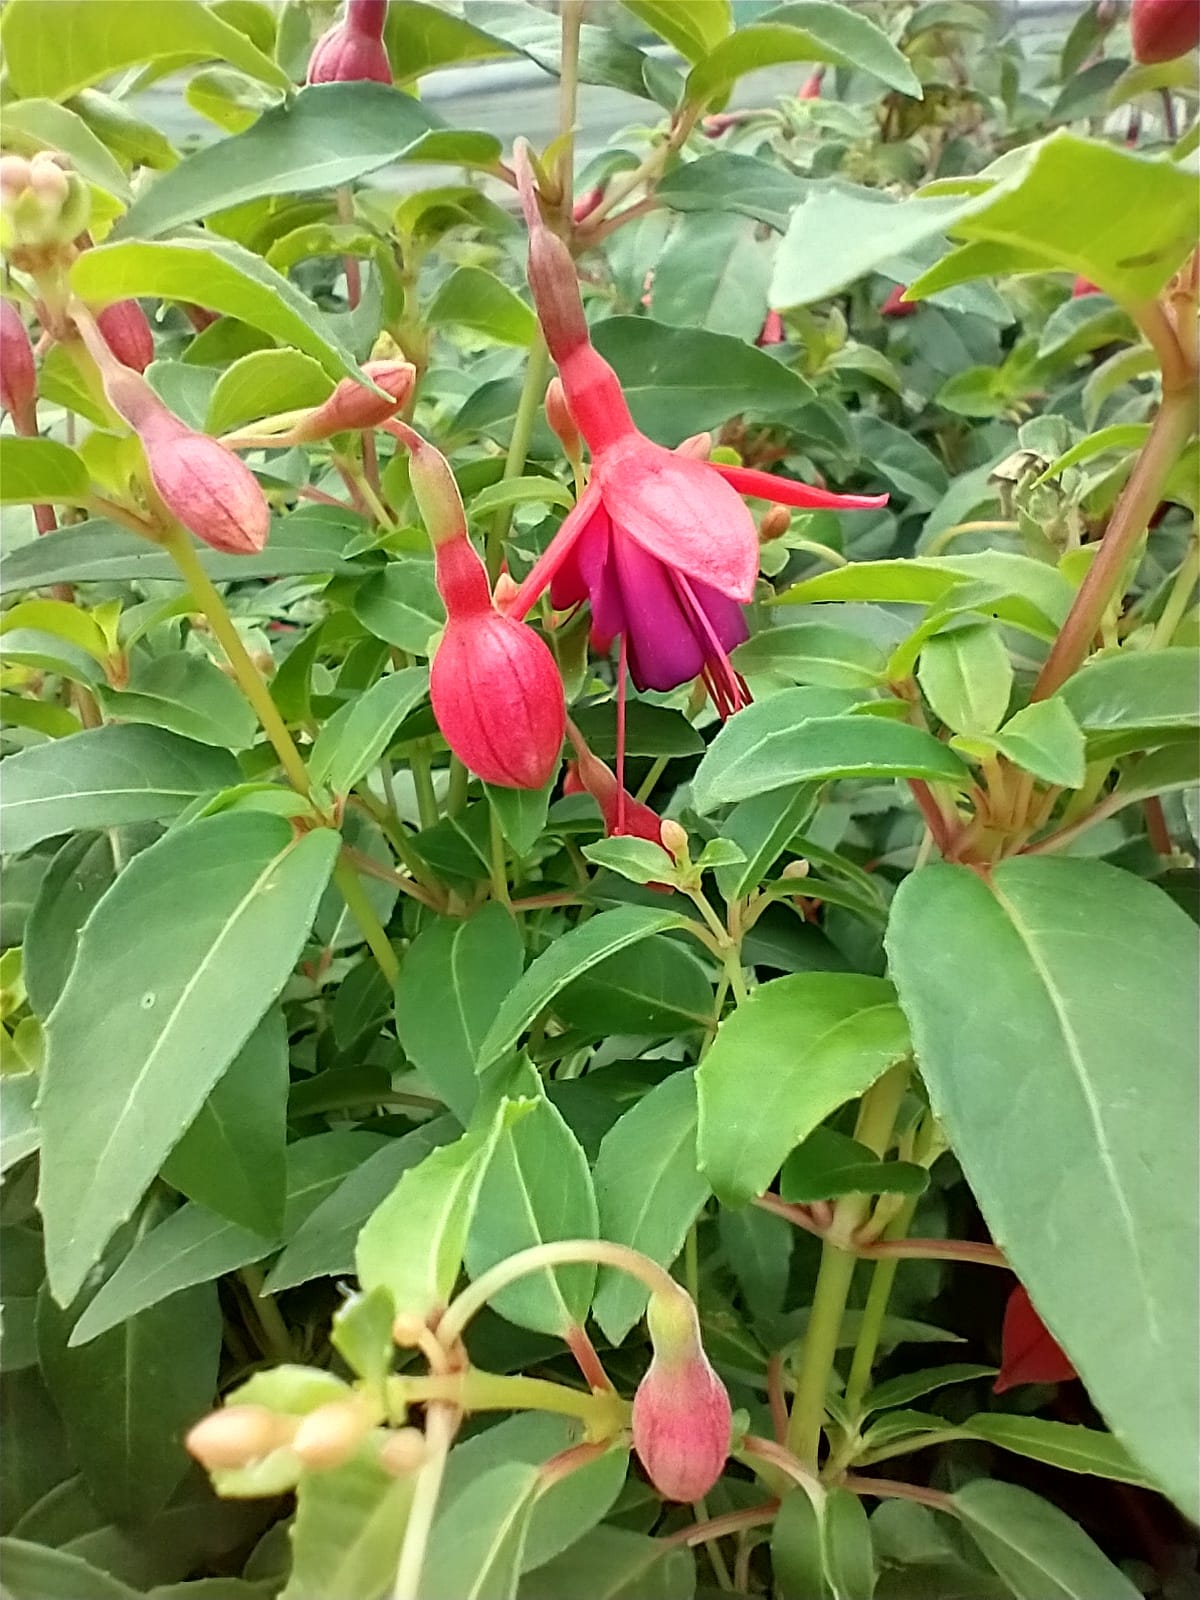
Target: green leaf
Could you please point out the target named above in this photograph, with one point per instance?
(105, 778)
(322, 1245)
(221, 276)
(232, 1158)
(188, 694)
(639, 860)
(263, 383)
(412, 1244)
(1059, 1444)
(477, 1541)
(126, 1398)
(194, 1245)
(92, 39)
(1046, 740)
(41, 470)
(19, 1133)
(521, 492)
(79, 874)
(537, 1188)
(649, 1190)
(727, 181)
(796, 1050)
(827, 1164)
(358, 733)
(521, 813)
(476, 299)
(1056, 1015)
(713, 274)
(967, 677)
(814, 652)
(796, 1557)
(694, 27)
(422, 38)
(680, 381)
(616, 1564)
(33, 125)
(911, 1386)
(1133, 700)
(569, 957)
(122, 1084)
(401, 605)
(659, 986)
(758, 1248)
(1037, 1549)
(810, 30)
(453, 980)
(846, 1553)
(348, 1530)
(762, 827)
(38, 1572)
(759, 750)
(328, 134)
(99, 552)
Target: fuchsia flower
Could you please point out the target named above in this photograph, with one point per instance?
(18, 378)
(896, 305)
(353, 50)
(682, 1418)
(494, 687)
(1029, 1352)
(127, 333)
(623, 815)
(772, 331)
(660, 544)
(810, 89)
(1083, 286)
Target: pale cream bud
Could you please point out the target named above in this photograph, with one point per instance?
(238, 1435)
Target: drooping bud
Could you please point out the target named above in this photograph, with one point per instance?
(774, 524)
(1083, 286)
(18, 378)
(127, 333)
(238, 1435)
(587, 203)
(42, 203)
(550, 270)
(682, 1418)
(352, 51)
(354, 407)
(896, 305)
(772, 331)
(558, 415)
(1029, 1352)
(403, 1452)
(331, 1434)
(810, 89)
(623, 815)
(675, 841)
(1161, 30)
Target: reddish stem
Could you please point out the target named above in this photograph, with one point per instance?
(586, 1359)
(889, 1489)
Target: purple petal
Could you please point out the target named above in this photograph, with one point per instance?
(663, 648)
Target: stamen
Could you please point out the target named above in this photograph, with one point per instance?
(622, 673)
(728, 690)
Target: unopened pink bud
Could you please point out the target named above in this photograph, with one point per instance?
(127, 334)
(18, 379)
(558, 415)
(682, 1418)
(330, 1435)
(44, 203)
(810, 89)
(354, 407)
(237, 1435)
(352, 51)
(1083, 286)
(587, 203)
(505, 592)
(772, 330)
(896, 305)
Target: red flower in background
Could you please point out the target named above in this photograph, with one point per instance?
(353, 50)
(1161, 30)
(1029, 1353)
(896, 305)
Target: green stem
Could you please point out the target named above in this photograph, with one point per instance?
(355, 896)
(533, 390)
(422, 777)
(456, 793)
(568, 94)
(476, 1390)
(882, 1278)
(498, 863)
(1170, 431)
(440, 1425)
(646, 787)
(876, 1117)
(249, 679)
(1177, 601)
(275, 1329)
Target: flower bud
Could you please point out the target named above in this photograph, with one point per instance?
(697, 447)
(354, 407)
(674, 840)
(1083, 286)
(408, 1330)
(558, 415)
(623, 815)
(505, 592)
(402, 1452)
(330, 1435)
(682, 1418)
(352, 51)
(587, 203)
(18, 379)
(775, 523)
(1029, 1352)
(810, 89)
(772, 330)
(205, 488)
(127, 334)
(43, 203)
(1161, 30)
(896, 305)
(238, 1435)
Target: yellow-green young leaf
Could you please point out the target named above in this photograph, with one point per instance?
(357, 734)
(348, 1530)
(33, 470)
(477, 1543)
(91, 39)
(412, 1245)
(694, 27)
(220, 276)
(123, 1082)
(814, 30)
(1057, 977)
(967, 677)
(649, 1190)
(421, 38)
(796, 1050)
(1046, 740)
(1036, 1548)
(227, 98)
(477, 299)
(262, 383)
(69, 622)
(104, 778)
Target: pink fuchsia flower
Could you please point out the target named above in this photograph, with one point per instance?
(353, 51)
(682, 1418)
(623, 815)
(494, 687)
(660, 543)
(1162, 30)
(896, 305)
(1083, 286)
(810, 89)
(772, 331)
(1029, 1352)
